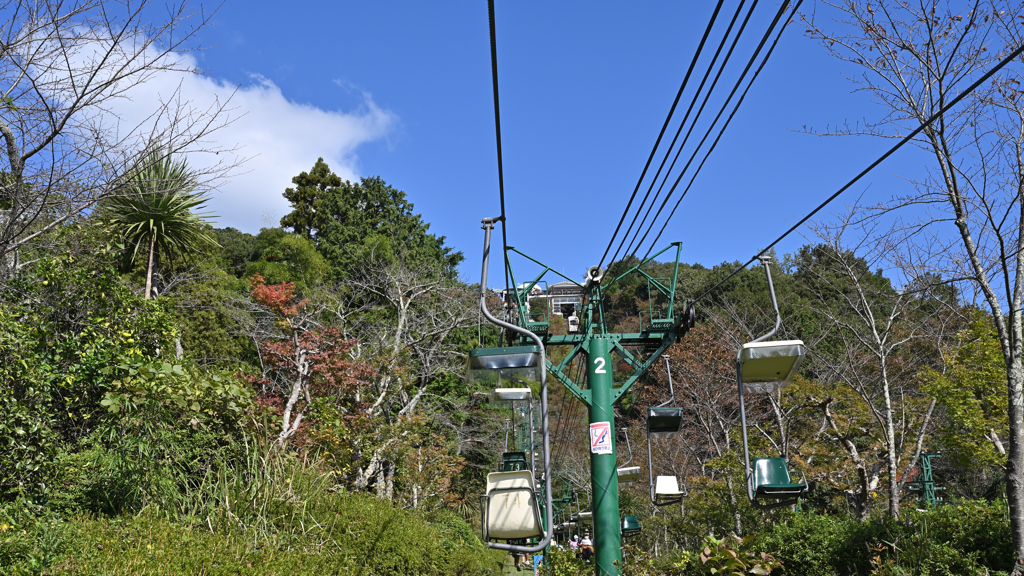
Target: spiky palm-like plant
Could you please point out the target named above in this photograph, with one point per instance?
(156, 211)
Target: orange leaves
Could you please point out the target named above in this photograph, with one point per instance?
(280, 298)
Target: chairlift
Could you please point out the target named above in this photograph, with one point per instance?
(510, 507)
(631, 525)
(511, 461)
(663, 422)
(628, 474)
(766, 367)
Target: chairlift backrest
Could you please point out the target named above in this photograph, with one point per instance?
(494, 365)
(631, 525)
(514, 461)
(771, 471)
(628, 474)
(768, 366)
(663, 422)
(511, 510)
(667, 486)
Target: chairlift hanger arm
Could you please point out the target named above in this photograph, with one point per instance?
(766, 262)
(546, 528)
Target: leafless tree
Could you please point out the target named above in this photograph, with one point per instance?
(875, 338)
(912, 58)
(405, 335)
(67, 72)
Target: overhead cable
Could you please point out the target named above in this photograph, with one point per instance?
(668, 119)
(882, 158)
(497, 135)
(720, 133)
(693, 125)
(682, 124)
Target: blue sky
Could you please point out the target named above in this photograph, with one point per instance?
(403, 90)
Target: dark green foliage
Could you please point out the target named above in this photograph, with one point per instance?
(307, 198)
(341, 217)
(954, 540)
(285, 257)
(237, 249)
(207, 319)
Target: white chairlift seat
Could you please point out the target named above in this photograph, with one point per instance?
(768, 366)
(628, 474)
(511, 510)
(666, 490)
(586, 517)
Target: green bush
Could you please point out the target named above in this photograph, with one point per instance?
(356, 534)
(968, 538)
(31, 538)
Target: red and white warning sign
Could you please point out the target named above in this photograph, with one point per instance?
(601, 438)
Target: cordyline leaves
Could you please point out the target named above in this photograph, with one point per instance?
(157, 208)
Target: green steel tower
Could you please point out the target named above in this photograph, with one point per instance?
(599, 347)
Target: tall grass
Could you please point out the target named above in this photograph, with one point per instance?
(248, 507)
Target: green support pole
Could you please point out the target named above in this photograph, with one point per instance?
(604, 480)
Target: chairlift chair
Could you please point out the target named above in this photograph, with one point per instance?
(663, 422)
(509, 396)
(511, 505)
(627, 474)
(510, 509)
(765, 367)
(631, 525)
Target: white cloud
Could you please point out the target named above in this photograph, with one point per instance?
(278, 137)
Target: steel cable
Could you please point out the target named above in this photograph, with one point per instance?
(668, 119)
(874, 164)
(693, 124)
(725, 125)
(497, 135)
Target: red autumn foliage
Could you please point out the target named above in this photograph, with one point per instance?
(280, 298)
(309, 362)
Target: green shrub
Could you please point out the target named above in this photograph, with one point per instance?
(31, 538)
(813, 545)
(968, 538)
(361, 535)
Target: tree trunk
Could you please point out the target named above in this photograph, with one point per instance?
(1015, 459)
(891, 464)
(149, 266)
(737, 518)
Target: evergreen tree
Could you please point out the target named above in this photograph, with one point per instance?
(344, 218)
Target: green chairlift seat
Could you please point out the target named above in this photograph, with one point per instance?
(772, 480)
(663, 422)
(631, 525)
(514, 462)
